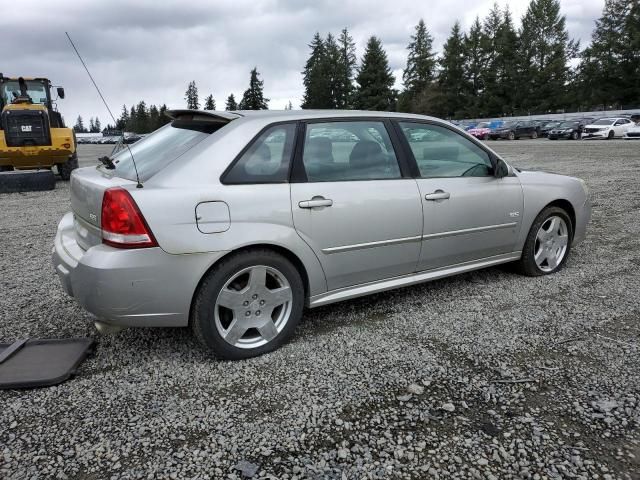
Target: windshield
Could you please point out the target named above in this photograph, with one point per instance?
(552, 124)
(35, 89)
(604, 121)
(154, 152)
(568, 124)
(508, 125)
(483, 125)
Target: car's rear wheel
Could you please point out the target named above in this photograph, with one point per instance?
(548, 244)
(248, 305)
(512, 136)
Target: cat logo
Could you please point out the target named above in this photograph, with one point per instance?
(514, 214)
(25, 128)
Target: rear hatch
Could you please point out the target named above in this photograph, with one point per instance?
(152, 154)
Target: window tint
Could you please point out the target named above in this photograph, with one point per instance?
(340, 151)
(440, 152)
(267, 159)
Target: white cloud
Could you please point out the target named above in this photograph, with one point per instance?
(150, 50)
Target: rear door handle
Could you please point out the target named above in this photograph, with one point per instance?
(437, 195)
(316, 202)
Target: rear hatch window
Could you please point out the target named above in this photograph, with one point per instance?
(159, 149)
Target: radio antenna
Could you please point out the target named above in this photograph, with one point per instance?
(139, 184)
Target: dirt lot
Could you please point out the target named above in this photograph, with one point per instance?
(486, 375)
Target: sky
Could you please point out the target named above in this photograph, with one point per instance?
(150, 50)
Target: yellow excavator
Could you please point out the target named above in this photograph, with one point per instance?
(32, 132)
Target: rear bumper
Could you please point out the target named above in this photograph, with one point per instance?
(133, 288)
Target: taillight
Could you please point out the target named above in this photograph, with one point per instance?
(123, 226)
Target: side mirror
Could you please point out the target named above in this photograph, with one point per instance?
(502, 169)
(60, 92)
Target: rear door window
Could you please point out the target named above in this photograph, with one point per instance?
(348, 151)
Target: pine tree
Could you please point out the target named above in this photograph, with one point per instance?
(92, 127)
(79, 126)
(452, 86)
(545, 51)
(162, 117)
(132, 125)
(191, 96)
(253, 97)
(475, 66)
(154, 118)
(420, 69)
(209, 103)
(316, 78)
(343, 94)
(231, 103)
(142, 118)
(606, 72)
(288, 106)
(97, 125)
(332, 69)
(375, 79)
(121, 123)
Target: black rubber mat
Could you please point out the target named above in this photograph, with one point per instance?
(41, 362)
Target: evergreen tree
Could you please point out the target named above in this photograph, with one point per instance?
(544, 51)
(347, 61)
(162, 117)
(142, 118)
(132, 125)
(209, 103)
(92, 126)
(288, 106)
(191, 96)
(452, 86)
(332, 69)
(475, 66)
(79, 126)
(231, 103)
(154, 119)
(121, 123)
(420, 69)
(316, 77)
(253, 97)
(606, 73)
(375, 79)
(97, 125)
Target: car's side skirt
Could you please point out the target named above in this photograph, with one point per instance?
(410, 279)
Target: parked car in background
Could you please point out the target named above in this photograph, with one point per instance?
(264, 214)
(547, 127)
(514, 130)
(633, 132)
(539, 124)
(481, 131)
(570, 130)
(607, 128)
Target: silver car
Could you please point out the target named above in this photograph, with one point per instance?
(240, 220)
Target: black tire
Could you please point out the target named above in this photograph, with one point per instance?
(27, 181)
(6, 168)
(512, 136)
(534, 135)
(575, 136)
(65, 169)
(610, 135)
(203, 310)
(527, 264)
(485, 136)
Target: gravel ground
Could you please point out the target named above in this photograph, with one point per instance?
(488, 375)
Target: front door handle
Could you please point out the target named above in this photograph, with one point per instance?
(437, 195)
(316, 202)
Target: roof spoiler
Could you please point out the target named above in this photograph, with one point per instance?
(203, 115)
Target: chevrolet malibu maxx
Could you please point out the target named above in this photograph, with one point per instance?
(232, 223)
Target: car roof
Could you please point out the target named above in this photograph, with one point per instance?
(282, 115)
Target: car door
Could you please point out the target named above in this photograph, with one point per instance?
(354, 203)
(469, 214)
(620, 126)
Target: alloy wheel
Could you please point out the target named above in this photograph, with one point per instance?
(253, 307)
(551, 244)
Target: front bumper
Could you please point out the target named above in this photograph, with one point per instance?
(583, 216)
(144, 287)
(594, 135)
(556, 136)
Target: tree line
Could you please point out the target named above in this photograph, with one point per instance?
(493, 69)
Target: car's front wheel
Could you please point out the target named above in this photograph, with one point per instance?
(548, 243)
(247, 305)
